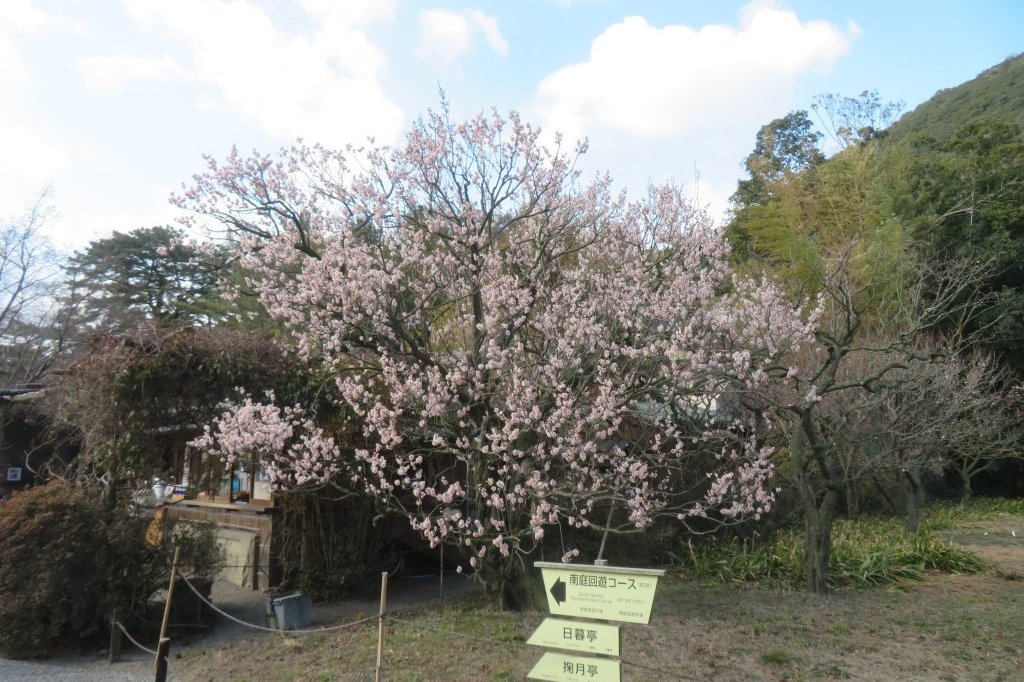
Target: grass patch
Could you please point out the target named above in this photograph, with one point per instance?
(944, 515)
(776, 657)
(953, 627)
(867, 552)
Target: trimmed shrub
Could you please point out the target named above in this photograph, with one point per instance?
(66, 565)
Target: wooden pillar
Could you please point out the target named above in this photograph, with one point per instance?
(167, 609)
(256, 561)
(163, 651)
(380, 624)
(115, 641)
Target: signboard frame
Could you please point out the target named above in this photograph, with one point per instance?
(552, 668)
(615, 593)
(578, 636)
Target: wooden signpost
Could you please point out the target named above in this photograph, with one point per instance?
(557, 667)
(598, 592)
(587, 638)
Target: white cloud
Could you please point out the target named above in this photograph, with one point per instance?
(110, 73)
(31, 159)
(349, 12)
(572, 3)
(84, 217)
(647, 81)
(31, 162)
(21, 15)
(324, 88)
(75, 231)
(16, 17)
(446, 36)
(711, 198)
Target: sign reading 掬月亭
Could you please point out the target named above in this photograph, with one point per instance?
(600, 592)
(587, 638)
(556, 666)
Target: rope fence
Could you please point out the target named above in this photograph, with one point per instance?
(253, 626)
(131, 639)
(374, 673)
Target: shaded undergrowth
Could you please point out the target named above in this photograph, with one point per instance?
(866, 552)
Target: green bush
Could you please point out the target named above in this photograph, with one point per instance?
(201, 554)
(866, 552)
(66, 565)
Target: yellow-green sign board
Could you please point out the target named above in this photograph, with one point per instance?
(601, 592)
(574, 635)
(561, 667)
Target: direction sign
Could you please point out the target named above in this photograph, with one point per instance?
(605, 592)
(574, 635)
(560, 667)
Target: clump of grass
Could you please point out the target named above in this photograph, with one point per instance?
(945, 514)
(776, 657)
(865, 553)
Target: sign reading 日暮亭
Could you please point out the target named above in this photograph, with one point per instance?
(588, 638)
(601, 592)
(556, 666)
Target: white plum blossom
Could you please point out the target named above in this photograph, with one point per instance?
(288, 444)
(514, 345)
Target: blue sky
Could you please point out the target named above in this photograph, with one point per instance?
(114, 103)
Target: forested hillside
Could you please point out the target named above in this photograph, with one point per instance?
(996, 93)
(913, 230)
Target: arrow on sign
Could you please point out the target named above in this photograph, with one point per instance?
(558, 591)
(600, 592)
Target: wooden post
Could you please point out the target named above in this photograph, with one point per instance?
(380, 624)
(441, 573)
(252, 481)
(256, 563)
(163, 651)
(115, 640)
(167, 607)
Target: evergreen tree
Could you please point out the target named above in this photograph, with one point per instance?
(148, 274)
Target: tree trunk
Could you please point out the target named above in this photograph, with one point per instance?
(965, 482)
(852, 500)
(914, 491)
(819, 500)
(523, 591)
(818, 540)
(885, 494)
(516, 584)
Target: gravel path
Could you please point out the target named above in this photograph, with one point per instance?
(242, 603)
(76, 670)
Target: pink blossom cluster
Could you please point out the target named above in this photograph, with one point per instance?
(283, 440)
(519, 349)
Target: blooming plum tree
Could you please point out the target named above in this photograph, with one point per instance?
(520, 350)
(289, 445)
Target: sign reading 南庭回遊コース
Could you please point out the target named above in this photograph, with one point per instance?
(600, 592)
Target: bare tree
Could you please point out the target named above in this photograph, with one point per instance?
(34, 322)
(937, 411)
(861, 363)
(854, 120)
(983, 424)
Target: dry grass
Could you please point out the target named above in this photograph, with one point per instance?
(947, 628)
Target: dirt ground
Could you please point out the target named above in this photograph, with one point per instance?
(949, 628)
(968, 627)
(999, 541)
